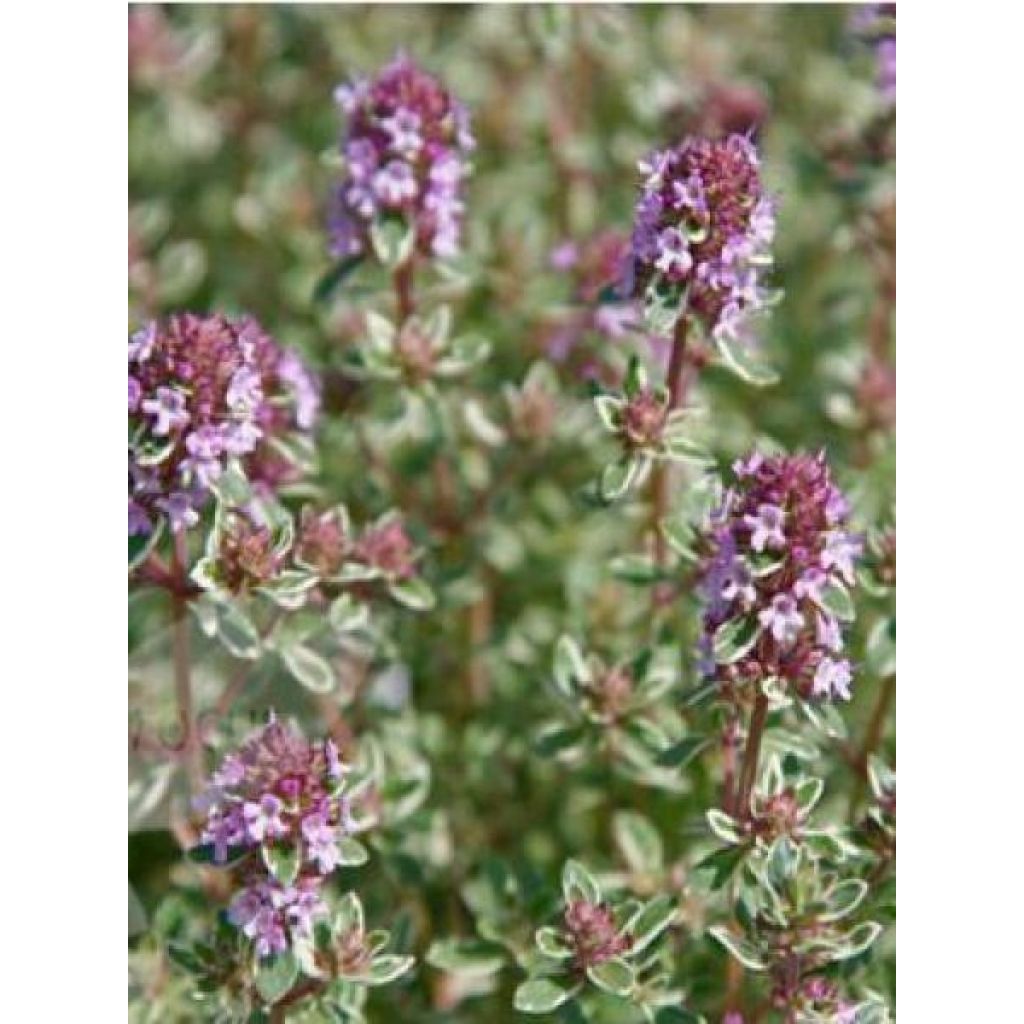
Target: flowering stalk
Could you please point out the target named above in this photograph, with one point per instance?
(190, 747)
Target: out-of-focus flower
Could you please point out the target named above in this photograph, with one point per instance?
(201, 390)
(776, 575)
(703, 228)
(405, 148)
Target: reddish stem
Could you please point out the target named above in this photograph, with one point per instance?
(750, 757)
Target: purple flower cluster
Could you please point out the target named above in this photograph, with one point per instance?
(405, 155)
(778, 555)
(813, 998)
(704, 224)
(202, 390)
(278, 792)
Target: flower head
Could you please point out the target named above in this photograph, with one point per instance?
(777, 554)
(203, 389)
(704, 223)
(593, 934)
(405, 149)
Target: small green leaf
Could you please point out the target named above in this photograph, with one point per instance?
(352, 852)
(140, 547)
(237, 632)
(636, 377)
(633, 568)
(552, 741)
(653, 918)
(414, 593)
(282, 862)
(838, 601)
(680, 754)
(392, 242)
(346, 615)
(735, 639)
(475, 957)
(334, 277)
(858, 940)
(614, 975)
(617, 477)
(551, 943)
(743, 950)
(609, 408)
(275, 976)
(578, 884)
(639, 841)
(385, 969)
(737, 357)
(349, 915)
(724, 826)
(570, 666)
(722, 863)
(844, 899)
(309, 668)
(540, 995)
(205, 854)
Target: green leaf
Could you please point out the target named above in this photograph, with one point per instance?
(639, 841)
(352, 852)
(346, 615)
(578, 884)
(414, 593)
(551, 943)
(844, 899)
(617, 477)
(663, 305)
(289, 589)
(636, 377)
(385, 969)
(858, 940)
(680, 754)
(808, 793)
(475, 957)
(140, 547)
(570, 666)
(609, 408)
(735, 639)
(204, 854)
(540, 995)
(392, 242)
(737, 358)
(614, 975)
(634, 568)
(283, 862)
(743, 950)
(653, 918)
(275, 976)
(334, 277)
(349, 915)
(837, 600)
(722, 863)
(231, 487)
(309, 668)
(557, 740)
(724, 826)
(881, 648)
(237, 632)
